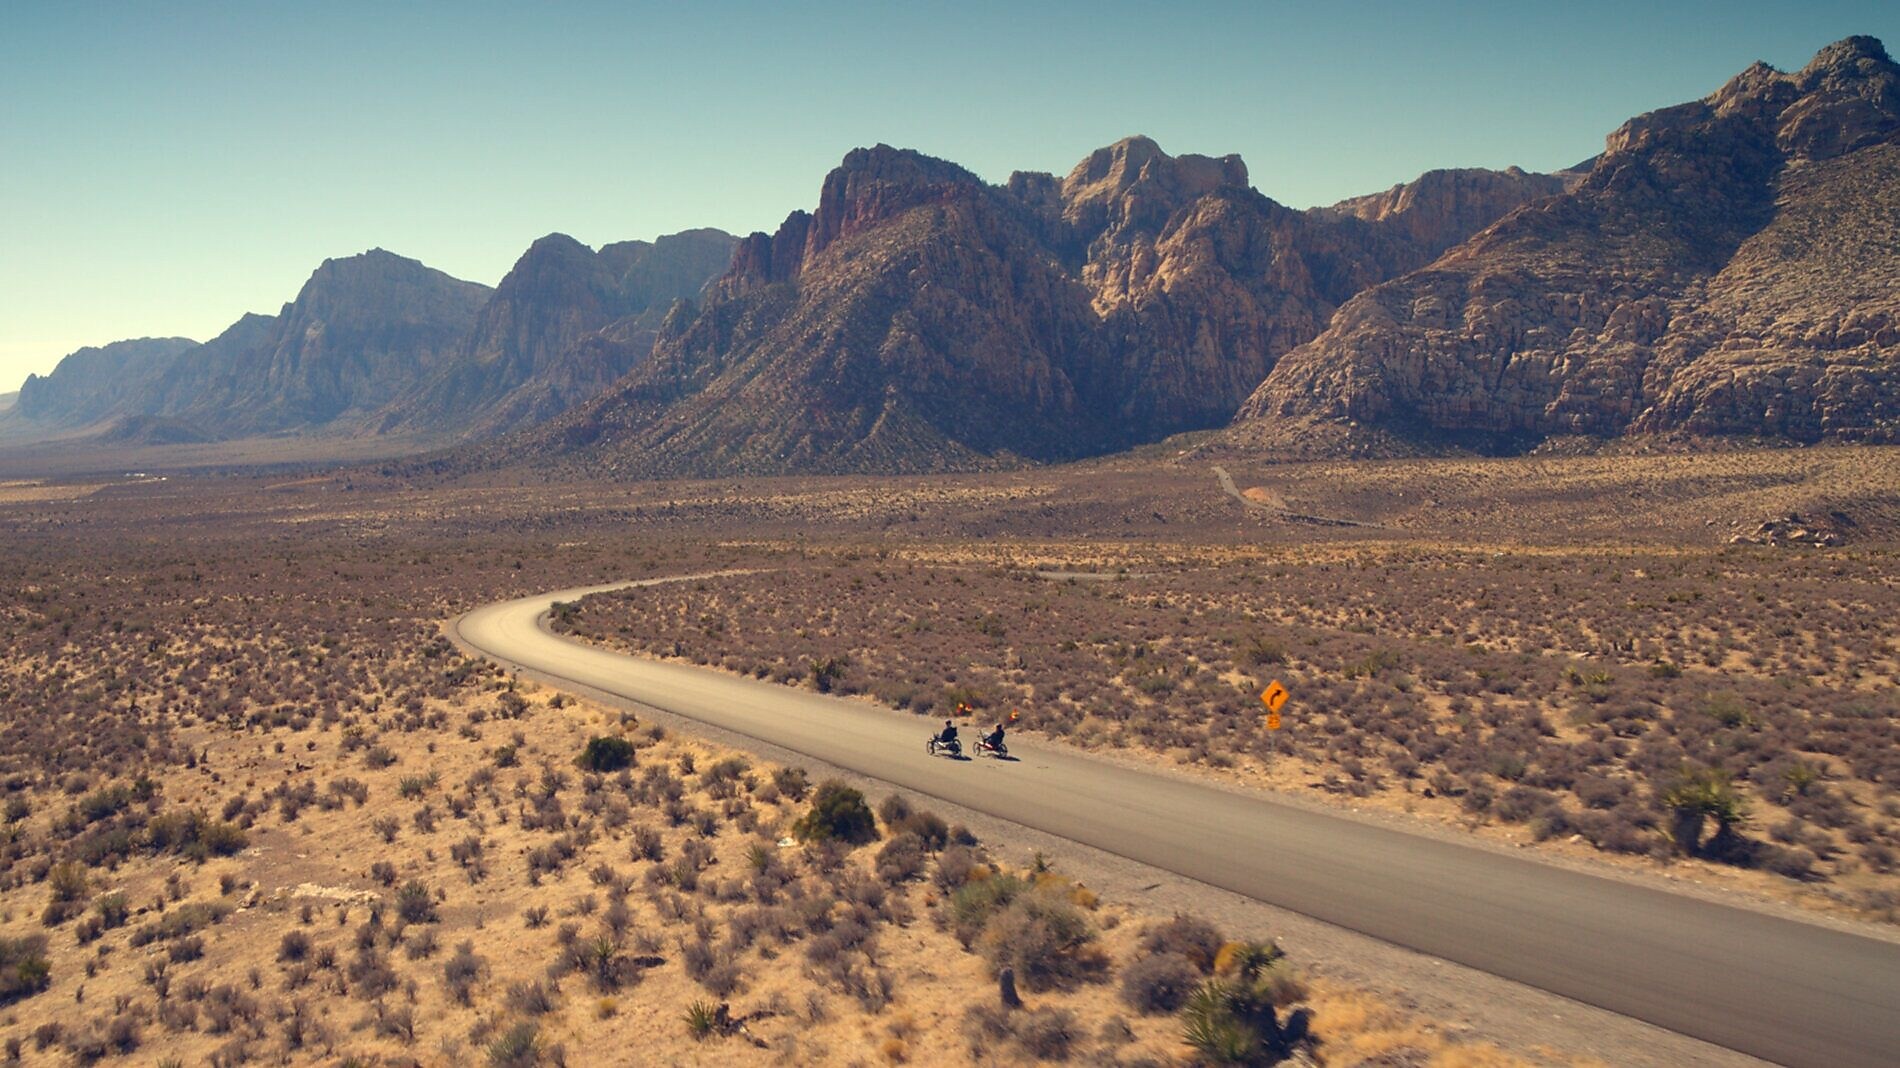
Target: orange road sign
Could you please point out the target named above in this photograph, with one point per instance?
(1273, 721)
(1273, 697)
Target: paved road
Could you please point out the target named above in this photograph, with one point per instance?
(1779, 989)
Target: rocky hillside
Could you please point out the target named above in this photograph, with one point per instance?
(1729, 266)
(89, 383)
(363, 329)
(1441, 208)
(564, 324)
(922, 319)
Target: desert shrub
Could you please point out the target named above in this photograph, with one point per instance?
(901, 859)
(1159, 984)
(605, 753)
(415, 904)
(180, 922)
(1233, 1019)
(293, 947)
(194, 835)
(420, 945)
(517, 1047)
(67, 883)
(1190, 937)
(703, 1019)
(791, 782)
(1041, 1034)
(185, 949)
(1793, 862)
(1044, 938)
(955, 866)
(972, 904)
(838, 813)
(1697, 795)
(24, 970)
(1047, 1034)
(898, 817)
(532, 998)
(461, 971)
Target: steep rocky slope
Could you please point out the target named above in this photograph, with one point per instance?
(1729, 266)
(362, 330)
(1441, 208)
(542, 343)
(922, 319)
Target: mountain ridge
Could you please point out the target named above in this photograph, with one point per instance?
(1727, 267)
(920, 319)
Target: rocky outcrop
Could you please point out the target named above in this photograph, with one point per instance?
(1441, 208)
(88, 384)
(1728, 266)
(538, 348)
(921, 319)
(1818, 531)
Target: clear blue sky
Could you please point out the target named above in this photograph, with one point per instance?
(167, 167)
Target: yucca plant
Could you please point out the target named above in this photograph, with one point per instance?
(702, 1019)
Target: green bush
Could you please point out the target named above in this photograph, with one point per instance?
(194, 835)
(1698, 795)
(702, 1019)
(24, 970)
(973, 903)
(1234, 1019)
(517, 1047)
(838, 813)
(606, 754)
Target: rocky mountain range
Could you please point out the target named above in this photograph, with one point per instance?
(922, 319)
(563, 325)
(378, 343)
(1730, 266)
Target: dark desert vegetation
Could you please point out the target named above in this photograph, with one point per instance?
(258, 809)
(1729, 702)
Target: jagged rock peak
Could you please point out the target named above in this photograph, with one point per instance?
(1858, 56)
(1113, 172)
(877, 183)
(1846, 98)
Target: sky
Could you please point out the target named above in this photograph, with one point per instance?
(165, 168)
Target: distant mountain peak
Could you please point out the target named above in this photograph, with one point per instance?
(1858, 56)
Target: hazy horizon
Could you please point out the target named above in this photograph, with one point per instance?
(172, 170)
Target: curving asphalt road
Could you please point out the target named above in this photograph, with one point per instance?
(1779, 989)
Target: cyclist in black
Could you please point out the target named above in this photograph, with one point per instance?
(994, 739)
(949, 735)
